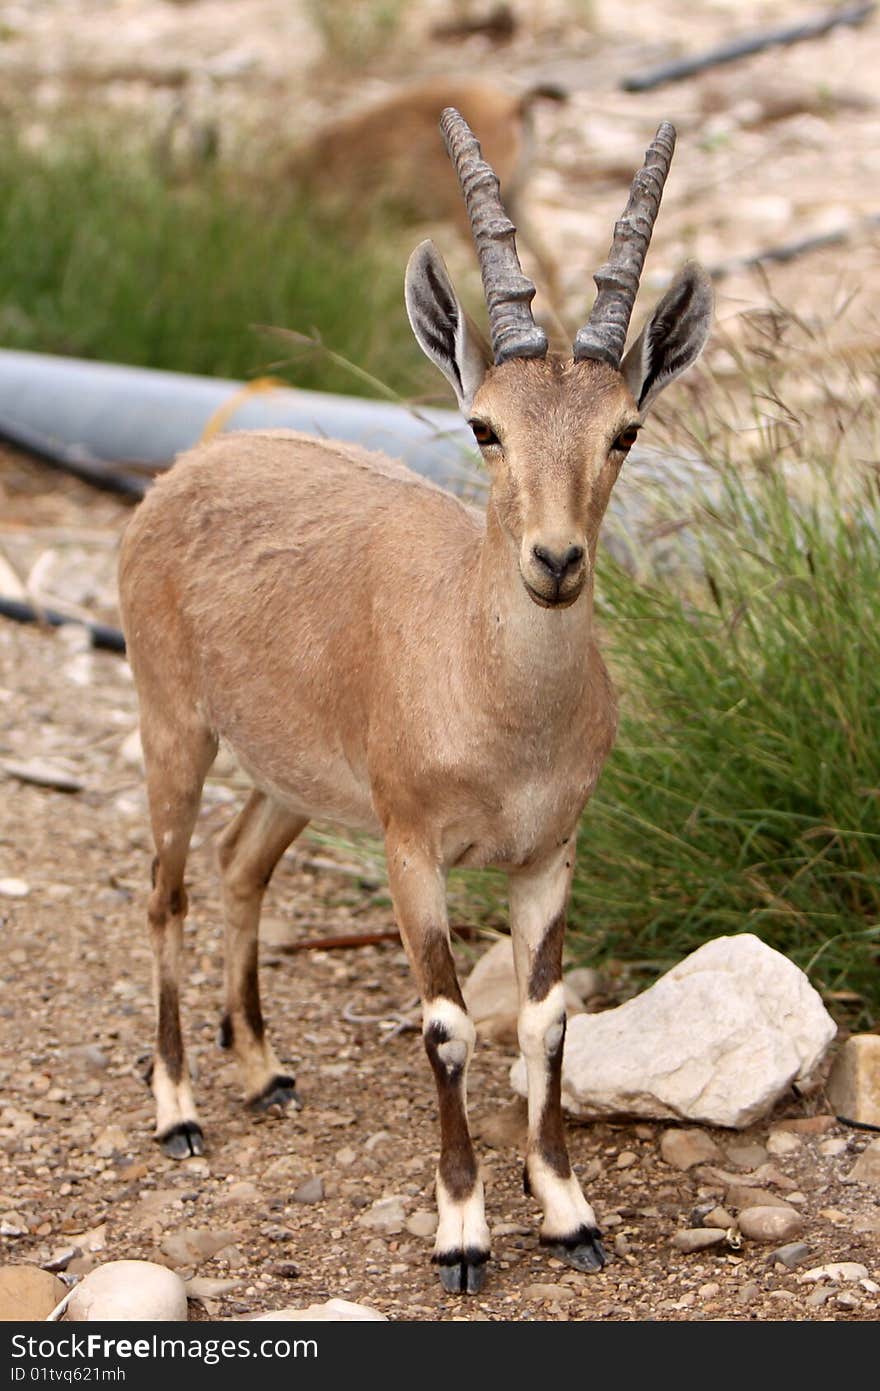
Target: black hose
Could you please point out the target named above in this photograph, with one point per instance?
(103, 636)
(73, 459)
(744, 47)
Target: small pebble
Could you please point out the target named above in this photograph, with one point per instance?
(550, 1294)
(746, 1156)
(14, 888)
(385, 1215)
(834, 1145)
(685, 1148)
(832, 1214)
(819, 1296)
(791, 1256)
(697, 1239)
(842, 1272)
(719, 1217)
(310, 1191)
(770, 1223)
(626, 1159)
(808, 1125)
(847, 1301)
(422, 1223)
(783, 1142)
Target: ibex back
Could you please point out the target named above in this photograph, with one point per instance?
(379, 654)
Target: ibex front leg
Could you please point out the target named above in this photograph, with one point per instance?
(538, 899)
(418, 888)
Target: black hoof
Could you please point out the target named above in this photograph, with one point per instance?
(583, 1250)
(183, 1141)
(280, 1092)
(462, 1272)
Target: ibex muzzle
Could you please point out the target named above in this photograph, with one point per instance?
(464, 719)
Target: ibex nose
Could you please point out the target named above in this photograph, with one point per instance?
(558, 565)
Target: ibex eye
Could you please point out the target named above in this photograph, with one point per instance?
(626, 439)
(483, 433)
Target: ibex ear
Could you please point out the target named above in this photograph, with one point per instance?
(445, 333)
(673, 337)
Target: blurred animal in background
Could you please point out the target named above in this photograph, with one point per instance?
(386, 157)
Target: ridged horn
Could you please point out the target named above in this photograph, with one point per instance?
(508, 292)
(603, 337)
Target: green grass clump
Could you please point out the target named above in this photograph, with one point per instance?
(104, 256)
(744, 790)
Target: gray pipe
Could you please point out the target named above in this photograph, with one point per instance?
(90, 415)
(142, 417)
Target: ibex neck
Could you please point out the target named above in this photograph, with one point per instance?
(539, 656)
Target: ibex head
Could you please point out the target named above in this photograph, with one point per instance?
(554, 431)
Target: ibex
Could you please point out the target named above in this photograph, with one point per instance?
(382, 656)
(388, 156)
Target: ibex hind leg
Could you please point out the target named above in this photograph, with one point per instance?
(177, 759)
(249, 851)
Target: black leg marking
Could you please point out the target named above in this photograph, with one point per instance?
(182, 1141)
(170, 1040)
(438, 969)
(547, 967)
(551, 1127)
(224, 1033)
(583, 1249)
(458, 1163)
(251, 993)
(280, 1091)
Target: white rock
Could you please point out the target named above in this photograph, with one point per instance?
(335, 1310)
(385, 1215)
(839, 1272)
(867, 1167)
(490, 990)
(14, 888)
(770, 1223)
(783, 1142)
(125, 1291)
(718, 1039)
(854, 1085)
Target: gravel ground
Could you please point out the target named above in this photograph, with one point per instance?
(249, 1223)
